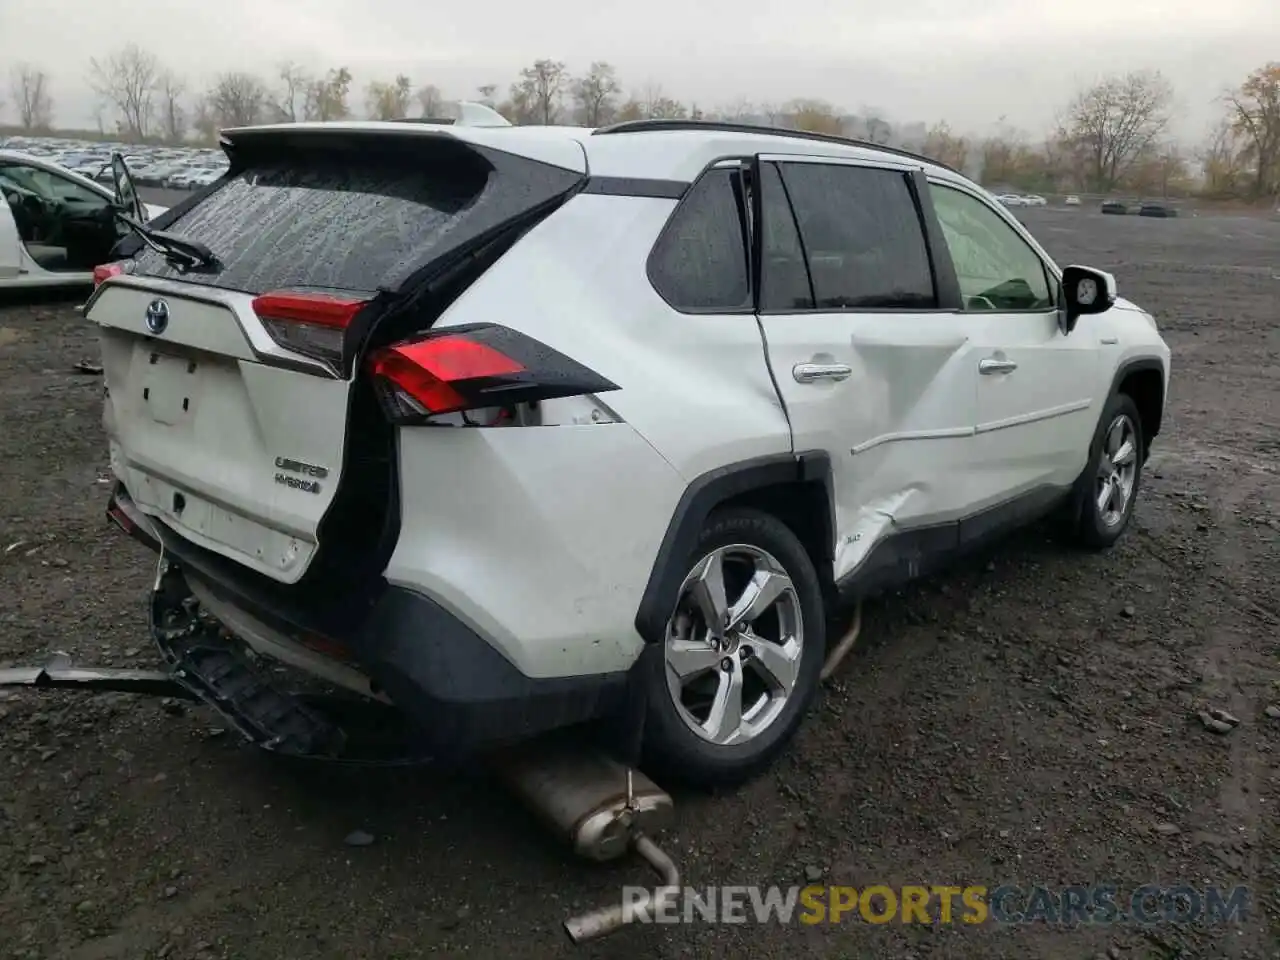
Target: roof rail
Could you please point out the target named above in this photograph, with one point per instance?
(732, 126)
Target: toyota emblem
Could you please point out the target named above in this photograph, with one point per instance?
(157, 316)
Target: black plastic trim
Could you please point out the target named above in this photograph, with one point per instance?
(651, 126)
(946, 283)
(701, 497)
(920, 551)
(1137, 365)
(636, 187)
(461, 693)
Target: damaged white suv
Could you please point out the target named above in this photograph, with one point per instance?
(523, 428)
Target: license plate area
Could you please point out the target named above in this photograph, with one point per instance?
(170, 387)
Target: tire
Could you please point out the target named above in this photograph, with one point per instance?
(742, 541)
(1097, 528)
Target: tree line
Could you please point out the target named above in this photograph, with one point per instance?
(1113, 136)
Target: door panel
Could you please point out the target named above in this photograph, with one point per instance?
(10, 245)
(894, 390)
(899, 428)
(1035, 421)
(1036, 387)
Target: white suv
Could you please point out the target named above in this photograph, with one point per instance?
(525, 428)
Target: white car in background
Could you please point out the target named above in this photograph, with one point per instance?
(1034, 200)
(1011, 200)
(1072, 201)
(55, 225)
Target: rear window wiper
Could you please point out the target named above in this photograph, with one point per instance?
(177, 251)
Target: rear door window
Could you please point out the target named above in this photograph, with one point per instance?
(350, 221)
(862, 237)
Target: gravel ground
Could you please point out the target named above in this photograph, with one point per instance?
(1032, 717)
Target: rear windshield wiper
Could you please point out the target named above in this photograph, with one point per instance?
(177, 251)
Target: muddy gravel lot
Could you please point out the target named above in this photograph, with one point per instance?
(1029, 718)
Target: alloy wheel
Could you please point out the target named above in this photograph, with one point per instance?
(1117, 471)
(734, 644)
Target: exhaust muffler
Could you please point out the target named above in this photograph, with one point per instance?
(603, 809)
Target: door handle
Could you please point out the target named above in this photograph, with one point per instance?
(991, 365)
(810, 372)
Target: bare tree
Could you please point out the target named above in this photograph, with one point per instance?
(633, 109)
(596, 94)
(740, 109)
(1118, 121)
(1255, 116)
(1223, 160)
(236, 100)
(947, 148)
(541, 89)
(817, 116)
(326, 98)
(127, 80)
(658, 106)
(388, 101)
(879, 130)
(431, 100)
(290, 99)
(173, 118)
(30, 89)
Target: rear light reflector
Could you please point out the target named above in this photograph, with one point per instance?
(474, 367)
(312, 324)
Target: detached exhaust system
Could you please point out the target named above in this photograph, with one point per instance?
(604, 810)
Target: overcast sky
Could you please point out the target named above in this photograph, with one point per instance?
(970, 62)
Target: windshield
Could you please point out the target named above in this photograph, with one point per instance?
(46, 185)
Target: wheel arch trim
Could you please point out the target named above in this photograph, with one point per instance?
(703, 495)
(1138, 365)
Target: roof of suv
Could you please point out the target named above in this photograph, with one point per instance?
(647, 149)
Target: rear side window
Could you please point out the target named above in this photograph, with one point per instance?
(699, 263)
(862, 236)
(351, 220)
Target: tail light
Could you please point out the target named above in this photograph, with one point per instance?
(105, 271)
(312, 324)
(474, 367)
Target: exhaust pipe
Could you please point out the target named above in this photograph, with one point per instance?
(841, 649)
(605, 920)
(603, 809)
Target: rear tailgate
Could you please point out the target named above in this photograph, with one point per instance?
(228, 392)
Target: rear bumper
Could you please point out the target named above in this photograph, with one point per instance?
(460, 692)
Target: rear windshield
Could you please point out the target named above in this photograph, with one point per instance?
(350, 221)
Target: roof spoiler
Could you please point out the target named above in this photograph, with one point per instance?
(469, 114)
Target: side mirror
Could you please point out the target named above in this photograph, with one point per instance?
(126, 192)
(1085, 291)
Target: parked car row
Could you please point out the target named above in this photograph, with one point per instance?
(170, 167)
(1120, 208)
